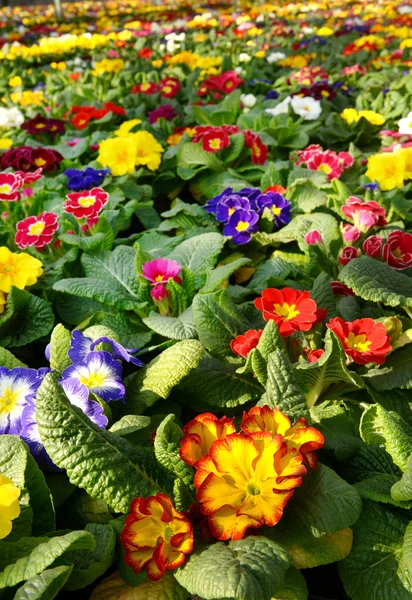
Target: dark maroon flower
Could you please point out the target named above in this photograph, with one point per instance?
(165, 110)
(347, 254)
(40, 125)
(26, 158)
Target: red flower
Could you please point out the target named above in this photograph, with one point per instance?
(81, 120)
(169, 87)
(74, 76)
(327, 162)
(243, 344)
(199, 435)
(145, 88)
(36, 231)
(291, 309)
(347, 254)
(86, 204)
(30, 177)
(114, 108)
(26, 158)
(340, 289)
(314, 355)
(259, 149)
(372, 246)
(346, 159)
(215, 141)
(145, 53)
(363, 340)
(397, 251)
(10, 184)
(277, 189)
(225, 82)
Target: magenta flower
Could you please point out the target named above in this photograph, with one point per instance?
(160, 270)
(313, 237)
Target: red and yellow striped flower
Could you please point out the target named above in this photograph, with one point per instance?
(156, 536)
(300, 437)
(246, 481)
(199, 435)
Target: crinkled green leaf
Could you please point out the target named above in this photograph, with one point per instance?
(179, 328)
(199, 254)
(59, 347)
(217, 277)
(44, 586)
(401, 491)
(396, 372)
(293, 588)
(323, 295)
(339, 428)
(8, 360)
(130, 424)
(27, 318)
(167, 588)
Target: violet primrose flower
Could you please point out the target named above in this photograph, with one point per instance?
(276, 203)
(81, 346)
(241, 225)
(17, 386)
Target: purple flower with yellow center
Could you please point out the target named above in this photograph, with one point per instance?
(211, 205)
(81, 346)
(229, 205)
(100, 373)
(241, 225)
(17, 386)
(78, 395)
(278, 205)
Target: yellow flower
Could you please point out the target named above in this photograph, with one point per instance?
(148, 150)
(350, 115)
(15, 81)
(5, 143)
(324, 31)
(108, 65)
(260, 54)
(28, 98)
(387, 169)
(200, 37)
(372, 116)
(118, 154)
(185, 57)
(125, 127)
(9, 505)
(18, 270)
(2, 303)
(406, 156)
(157, 63)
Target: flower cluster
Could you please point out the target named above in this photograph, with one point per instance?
(26, 158)
(40, 126)
(124, 153)
(86, 204)
(218, 85)
(327, 161)
(82, 115)
(168, 87)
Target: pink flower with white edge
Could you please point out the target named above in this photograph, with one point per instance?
(29, 178)
(346, 160)
(86, 204)
(36, 231)
(10, 185)
(313, 237)
(307, 153)
(350, 233)
(347, 254)
(160, 270)
(327, 162)
(364, 215)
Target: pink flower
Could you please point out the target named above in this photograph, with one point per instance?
(313, 237)
(347, 254)
(351, 70)
(160, 270)
(346, 159)
(158, 292)
(36, 231)
(28, 192)
(364, 214)
(307, 153)
(327, 162)
(10, 184)
(350, 234)
(86, 204)
(113, 54)
(30, 177)
(74, 142)
(372, 246)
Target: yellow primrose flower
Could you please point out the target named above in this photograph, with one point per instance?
(28, 98)
(185, 57)
(148, 150)
(324, 31)
(15, 81)
(388, 169)
(9, 505)
(260, 54)
(406, 156)
(118, 154)
(125, 127)
(200, 37)
(350, 115)
(372, 116)
(60, 66)
(2, 303)
(5, 143)
(18, 270)
(157, 63)
(108, 65)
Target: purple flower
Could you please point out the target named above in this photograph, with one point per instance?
(165, 111)
(100, 373)
(229, 205)
(78, 395)
(211, 205)
(371, 186)
(279, 206)
(81, 346)
(218, 205)
(272, 95)
(17, 386)
(241, 225)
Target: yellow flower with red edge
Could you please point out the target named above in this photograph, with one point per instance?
(18, 270)
(156, 536)
(200, 433)
(9, 505)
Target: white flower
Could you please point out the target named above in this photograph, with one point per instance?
(11, 117)
(307, 108)
(405, 124)
(244, 57)
(248, 100)
(275, 57)
(280, 109)
(404, 9)
(240, 71)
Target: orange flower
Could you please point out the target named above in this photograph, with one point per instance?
(246, 481)
(299, 437)
(363, 340)
(199, 435)
(291, 309)
(156, 536)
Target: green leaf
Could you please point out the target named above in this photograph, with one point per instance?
(293, 588)
(272, 176)
(339, 427)
(167, 446)
(282, 390)
(199, 254)
(218, 277)
(218, 384)
(380, 427)
(270, 340)
(192, 155)
(44, 586)
(323, 295)
(44, 556)
(375, 281)
(114, 587)
(8, 360)
(59, 347)
(129, 424)
(41, 501)
(91, 564)
(250, 569)
(157, 379)
(27, 318)
(396, 374)
(102, 463)
(380, 563)
(180, 328)
(325, 503)
(307, 197)
(328, 376)
(218, 321)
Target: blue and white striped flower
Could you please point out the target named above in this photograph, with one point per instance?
(17, 386)
(100, 373)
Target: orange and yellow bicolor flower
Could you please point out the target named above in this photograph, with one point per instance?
(199, 435)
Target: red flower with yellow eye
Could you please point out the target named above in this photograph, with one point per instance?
(291, 309)
(215, 141)
(156, 536)
(246, 481)
(199, 435)
(299, 437)
(363, 340)
(86, 204)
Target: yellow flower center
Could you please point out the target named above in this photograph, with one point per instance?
(87, 201)
(398, 253)
(7, 401)
(215, 144)
(145, 86)
(287, 311)
(325, 93)
(256, 150)
(230, 211)
(358, 342)
(40, 126)
(36, 228)
(5, 188)
(92, 380)
(39, 162)
(324, 168)
(242, 226)
(167, 89)
(252, 489)
(159, 278)
(6, 268)
(276, 210)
